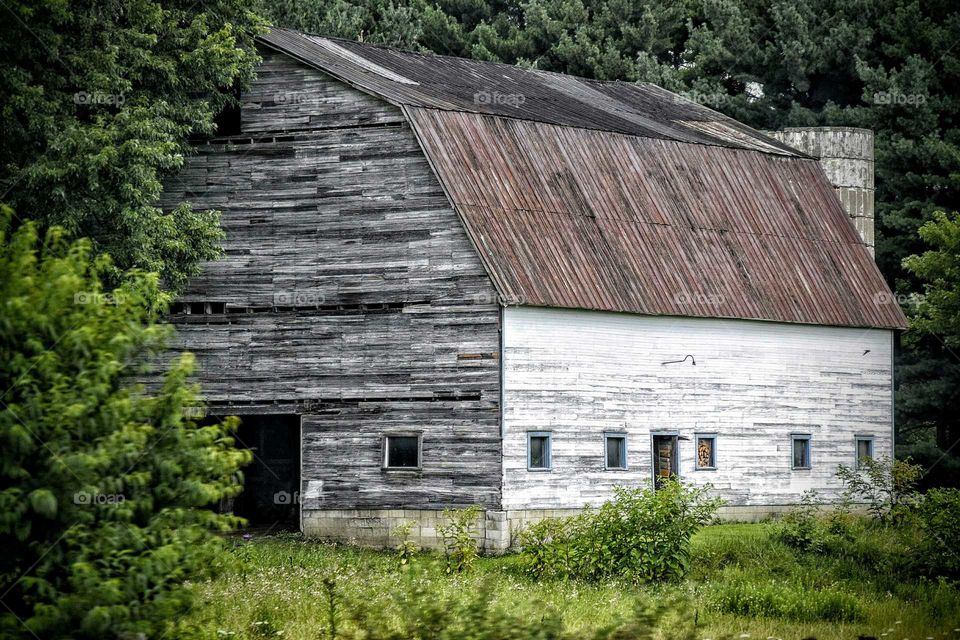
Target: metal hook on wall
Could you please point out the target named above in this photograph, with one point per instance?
(693, 360)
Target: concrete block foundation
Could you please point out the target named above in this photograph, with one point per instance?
(496, 531)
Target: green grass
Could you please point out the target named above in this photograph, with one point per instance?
(742, 581)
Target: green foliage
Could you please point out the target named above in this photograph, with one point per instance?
(459, 538)
(931, 386)
(938, 268)
(426, 612)
(406, 548)
(778, 600)
(887, 486)
(104, 485)
(99, 102)
(814, 527)
(938, 516)
(642, 535)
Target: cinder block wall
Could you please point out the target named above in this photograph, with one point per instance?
(496, 532)
(846, 155)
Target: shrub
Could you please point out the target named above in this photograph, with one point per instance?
(102, 485)
(547, 547)
(887, 486)
(802, 527)
(938, 517)
(641, 534)
(459, 543)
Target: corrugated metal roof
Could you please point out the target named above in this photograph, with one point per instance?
(622, 197)
(586, 219)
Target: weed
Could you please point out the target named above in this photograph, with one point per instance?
(406, 548)
(459, 544)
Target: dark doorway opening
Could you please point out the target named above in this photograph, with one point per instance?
(665, 463)
(271, 485)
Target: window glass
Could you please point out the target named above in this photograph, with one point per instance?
(801, 452)
(616, 452)
(403, 452)
(539, 451)
(864, 450)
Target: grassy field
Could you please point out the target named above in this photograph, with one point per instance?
(742, 583)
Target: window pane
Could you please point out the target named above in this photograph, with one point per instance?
(705, 457)
(616, 452)
(801, 453)
(539, 452)
(864, 450)
(402, 451)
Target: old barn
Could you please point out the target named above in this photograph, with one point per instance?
(450, 282)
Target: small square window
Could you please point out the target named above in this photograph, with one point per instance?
(801, 451)
(615, 445)
(706, 451)
(401, 452)
(538, 451)
(864, 450)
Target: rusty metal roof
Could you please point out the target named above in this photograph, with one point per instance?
(620, 197)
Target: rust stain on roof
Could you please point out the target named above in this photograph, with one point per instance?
(585, 219)
(621, 196)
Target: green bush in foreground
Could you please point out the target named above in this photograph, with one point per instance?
(102, 486)
(938, 517)
(641, 534)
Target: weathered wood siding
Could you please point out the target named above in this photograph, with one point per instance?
(581, 373)
(348, 292)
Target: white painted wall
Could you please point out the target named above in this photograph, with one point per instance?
(581, 373)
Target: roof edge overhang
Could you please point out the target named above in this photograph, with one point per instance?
(506, 304)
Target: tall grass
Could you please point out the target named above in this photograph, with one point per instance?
(742, 580)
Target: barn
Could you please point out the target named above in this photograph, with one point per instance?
(448, 282)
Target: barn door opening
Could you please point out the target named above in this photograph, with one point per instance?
(665, 460)
(271, 485)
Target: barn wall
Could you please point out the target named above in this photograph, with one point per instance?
(348, 293)
(581, 373)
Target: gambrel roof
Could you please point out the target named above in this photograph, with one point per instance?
(621, 196)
